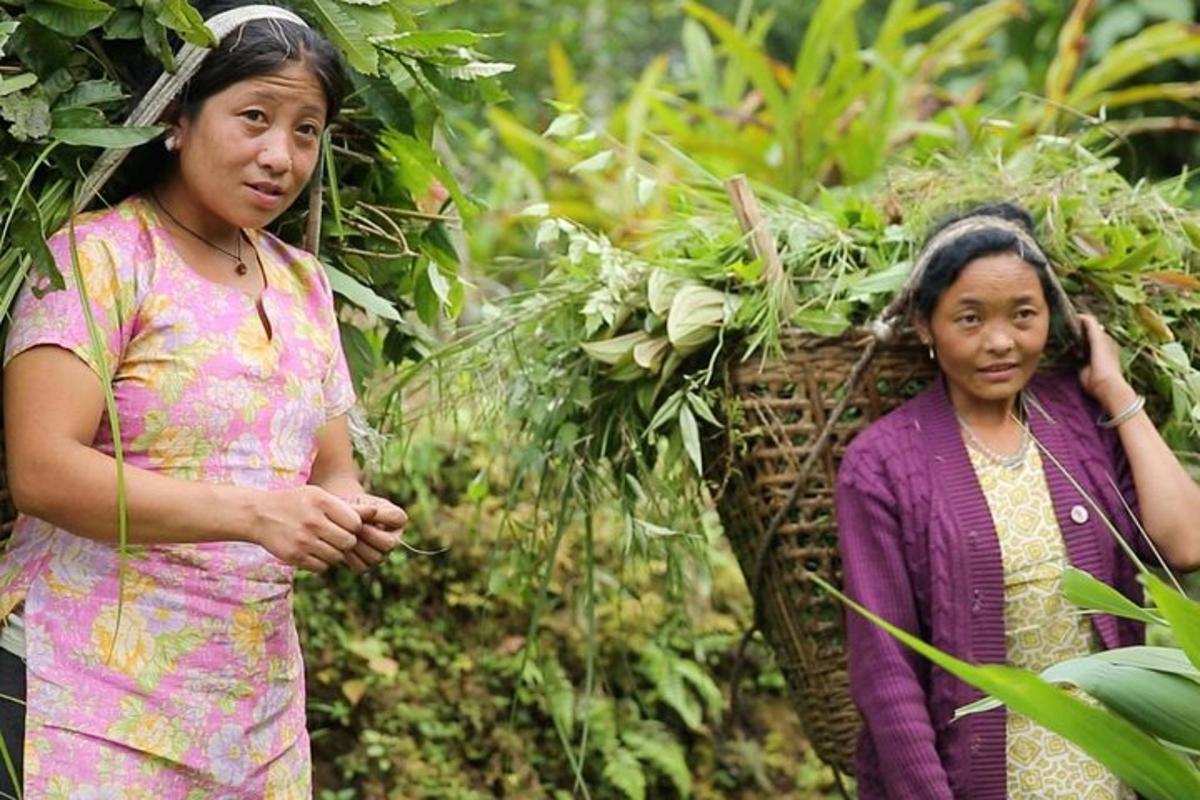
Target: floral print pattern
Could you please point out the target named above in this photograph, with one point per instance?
(187, 682)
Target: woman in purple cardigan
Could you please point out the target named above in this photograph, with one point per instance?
(957, 517)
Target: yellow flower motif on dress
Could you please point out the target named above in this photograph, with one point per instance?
(148, 731)
(253, 348)
(179, 450)
(249, 633)
(133, 648)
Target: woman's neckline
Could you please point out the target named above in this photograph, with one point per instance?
(252, 236)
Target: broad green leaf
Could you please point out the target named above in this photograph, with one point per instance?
(91, 93)
(1182, 613)
(71, 18)
(428, 41)
(106, 137)
(347, 34)
(1162, 704)
(360, 294)
(360, 356)
(7, 28)
(615, 349)
(690, 432)
(29, 116)
(16, 83)
(1087, 592)
(821, 321)
(438, 282)
(179, 16)
(1134, 756)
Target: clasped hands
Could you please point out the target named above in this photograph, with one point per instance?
(311, 528)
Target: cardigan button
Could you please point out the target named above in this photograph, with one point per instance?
(1079, 515)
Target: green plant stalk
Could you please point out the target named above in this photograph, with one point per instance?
(1135, 757)
(110, 404)
(589, 555)
(23, 189)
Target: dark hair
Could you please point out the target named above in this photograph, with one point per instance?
(949, 259)
(259, 47)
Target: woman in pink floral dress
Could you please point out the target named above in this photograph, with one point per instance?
(177, 674)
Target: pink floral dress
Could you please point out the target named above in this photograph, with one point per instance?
(198, 692)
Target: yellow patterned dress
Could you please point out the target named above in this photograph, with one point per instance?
(1041, 627)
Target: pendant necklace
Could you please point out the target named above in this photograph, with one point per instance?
(239, 265)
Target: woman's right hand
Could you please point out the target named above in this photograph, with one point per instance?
(306, 527)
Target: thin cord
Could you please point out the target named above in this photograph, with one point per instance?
(240, 268)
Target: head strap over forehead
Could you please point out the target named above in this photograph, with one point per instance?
(166, 88)
(1027, 246)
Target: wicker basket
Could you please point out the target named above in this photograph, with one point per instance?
(784, 406)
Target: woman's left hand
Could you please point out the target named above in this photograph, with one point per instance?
(1102, 377)
(382, 531)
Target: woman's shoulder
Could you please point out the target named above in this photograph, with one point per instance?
(886, 444)
(302, 266)
(1060, 394)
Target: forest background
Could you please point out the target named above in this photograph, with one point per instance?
(540, 637)
(439, 696)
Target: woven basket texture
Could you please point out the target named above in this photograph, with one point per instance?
(784, 405)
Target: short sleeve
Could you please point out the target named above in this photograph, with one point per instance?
(44, 315)
(337, 388)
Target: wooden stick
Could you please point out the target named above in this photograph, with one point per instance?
(312, 231)
(750, 218)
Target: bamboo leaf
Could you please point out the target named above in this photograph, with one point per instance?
(690, 431)
(346, 32)
(1152, 46)
(360, 294)
(1087, 592)
(106, 137)
(1181, 613)
(1134, 756)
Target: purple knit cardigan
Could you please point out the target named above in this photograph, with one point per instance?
(919, 549)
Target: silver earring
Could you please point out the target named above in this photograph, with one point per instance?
(171, 143)
(932, 355)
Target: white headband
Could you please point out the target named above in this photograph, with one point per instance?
(166, 88)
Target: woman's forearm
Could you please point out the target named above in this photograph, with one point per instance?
(1168, 498)
(74, 487)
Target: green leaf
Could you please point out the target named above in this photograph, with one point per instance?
(1087, 592)
(821, 321)
(427, 41)
(91, 93)
(595, 163)
(106, 137)
(439, 284)
(347, 34)
(658, 749)
(7, 28)
(71, 18)
(16, 83)
(690, 432)
(179, 16)
(624, 771)
(360, 294)
(30, 116)
(560, 696)
(1182, 613)
(425, 299)
(360, 356)
(1134, 756)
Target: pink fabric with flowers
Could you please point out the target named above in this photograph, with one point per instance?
(198, 691)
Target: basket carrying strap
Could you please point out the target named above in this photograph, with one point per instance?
(151, 107)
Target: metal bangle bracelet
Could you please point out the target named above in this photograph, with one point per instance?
(1133, 408)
